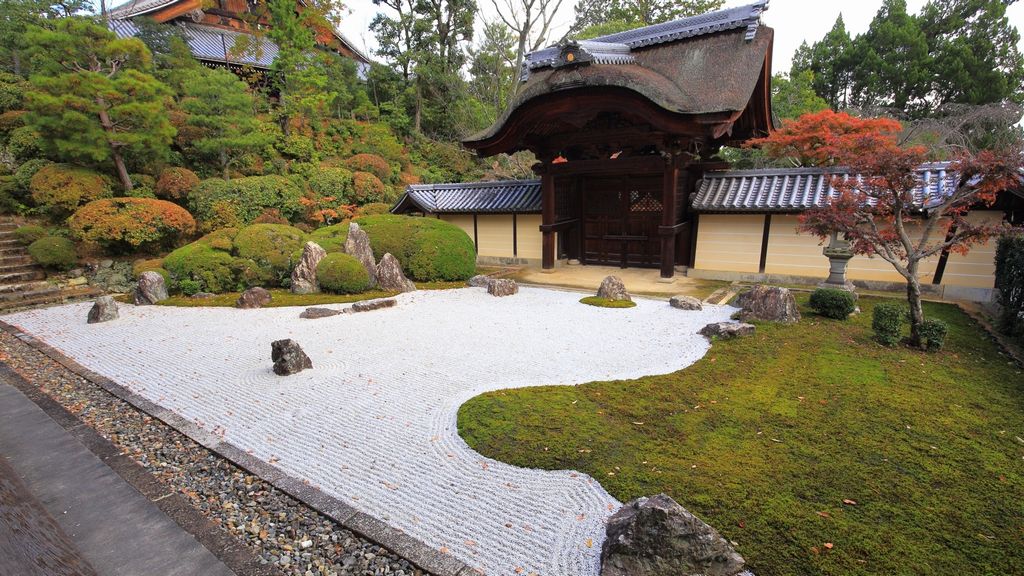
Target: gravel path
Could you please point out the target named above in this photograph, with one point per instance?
(373, 423)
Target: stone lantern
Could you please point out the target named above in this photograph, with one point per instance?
(839, 253)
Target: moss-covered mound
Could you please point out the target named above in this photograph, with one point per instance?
(606, 303)
(53, 252)
(342, 274)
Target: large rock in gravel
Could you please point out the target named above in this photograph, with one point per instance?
(390, 276)
(103, 310)
(254, 297)
(478, 281)
(304, 274)
(288, 357)
(686, 303)
(612, 288)
(727, 329)
(357, 245)
(657, 537)
(502, 287)
(369, 305)
(313, 313)
(770, 303)
(150, 289)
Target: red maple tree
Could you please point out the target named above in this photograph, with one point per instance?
(885, 210)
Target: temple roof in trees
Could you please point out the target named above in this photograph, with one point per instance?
(212, 31)
(715, 65)
(501, 197)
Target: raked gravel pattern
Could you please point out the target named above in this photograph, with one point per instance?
(374, 422)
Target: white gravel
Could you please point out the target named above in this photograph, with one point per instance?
(374, 422)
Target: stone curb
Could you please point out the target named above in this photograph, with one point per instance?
(370, 528)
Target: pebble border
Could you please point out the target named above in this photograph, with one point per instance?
(360, 523)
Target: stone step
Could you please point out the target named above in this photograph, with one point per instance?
(16, 260)
(16, 267)
(12, 241)
(21, 287)
(15, 250)
(18, 277)
(28, 294)
(48, 298)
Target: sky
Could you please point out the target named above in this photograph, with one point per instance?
(793, 20)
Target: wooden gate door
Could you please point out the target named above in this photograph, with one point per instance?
(621, 216)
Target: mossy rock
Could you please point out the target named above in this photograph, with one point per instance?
(606, 303)
(342, 274)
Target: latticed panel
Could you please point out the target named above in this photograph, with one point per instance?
(643, 202)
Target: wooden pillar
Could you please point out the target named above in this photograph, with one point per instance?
(547, 194)
(667, 230)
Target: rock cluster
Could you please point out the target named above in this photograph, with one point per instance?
(150, 289)
(103, 310)
(612, 288)
(768, 303)
(502, 287)
(358, 246)
(288, 357)
(686, 303)
(304, 274)
(657, 537)
(255, 297)
(727, 329)
(390, 277)
(478, 281)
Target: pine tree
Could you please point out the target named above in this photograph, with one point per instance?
(830, 63)
(298, 69)
(794, 95)
(93, 98)
(893, 65)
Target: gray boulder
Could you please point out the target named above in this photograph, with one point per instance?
(686, 303)
(769, 303)
(390, 277)
(612, 288)
(502, 287)
(369, 305)
(478, 281)
(150, 289)
(727, 329)
(657, 537)
(255, 297)
(357, 245)
(288, 357)
(304, 274)
(103, 310)
(313, 313)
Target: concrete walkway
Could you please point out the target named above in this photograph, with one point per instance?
(644, 281)
(112, 526)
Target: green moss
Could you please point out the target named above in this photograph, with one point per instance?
(213, 269)
(331, 238)
(767, 435)
(606, 303)
(273, 247)
(281, 298)
(53, 252)
(342, 274)
(29, 234)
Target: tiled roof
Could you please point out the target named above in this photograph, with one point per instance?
(615, 48)
(215, 44)
(797, 189)
(504, 196)
(137, 7)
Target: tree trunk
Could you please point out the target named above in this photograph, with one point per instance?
(419, 107)
(224, 165)
(122, 172)
(115, 149)
(916, 311)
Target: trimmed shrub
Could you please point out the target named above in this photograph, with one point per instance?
(59, 189)
(11, 120)
(223, 239)
(343, 274)
(128, 224)
(371, 163)
(217, 203)
(298, 147)
(272, 216)
(933, 334)
(367, 188)
(53, 252)
(29, 234)
(1010, 284)
(189, 287)
(332, 182)
(331, 238)
(374, 209)
(213, 269)
(887, 322)
(833, 303)
(429, 249)
(23, 174)
(176, 183)
(273, 247)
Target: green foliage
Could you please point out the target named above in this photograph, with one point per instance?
(176, 183)
(29, 234)
(933, 334)
(59, 189)
(367, 188)
(331, 238)
(123, 225)
(833, 303)
(428, 249)
(299, 75)
(273, 247)
(374, 209)
(606, 303)
(331, 182)
(342, 274)
(151, 265)
(626, 14)
(793, 95)
(215, 270)
(23, 174)
(53, 252)
(189, 287)
(830, 62)
(23, 143)
(1010, 284)
(887, 322)
(373, 164)
(218, 203)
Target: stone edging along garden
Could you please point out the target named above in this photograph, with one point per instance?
(360, 523)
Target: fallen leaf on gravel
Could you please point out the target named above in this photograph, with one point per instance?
(580, 517)
(590, 542)
(470, 542)
(444, 549)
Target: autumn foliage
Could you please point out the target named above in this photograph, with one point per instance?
(829, 138)
(128, 224)
(176, 183)
(371, 163)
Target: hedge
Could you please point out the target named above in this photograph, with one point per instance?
(887, 322)
(176, 183)
(429, 249)
(53, 252)
(59, 189)
(214, 270)
(342, 273)
(833, 303)
(217, 202)
(122, 225)
(332, 238)
(1010, 284)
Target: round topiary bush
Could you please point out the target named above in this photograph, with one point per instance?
(273, 247)
(887, 322)
(176, 183)
(122, 225)
(334, 182)
(367, 188)
(29, 234)
(223, 239)
(53, 252)
(213, 269)
(833, 303)
(371, 163)
(343, 274)
(241, 201)
(430, 250)
(23, 174)
(59, 189)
